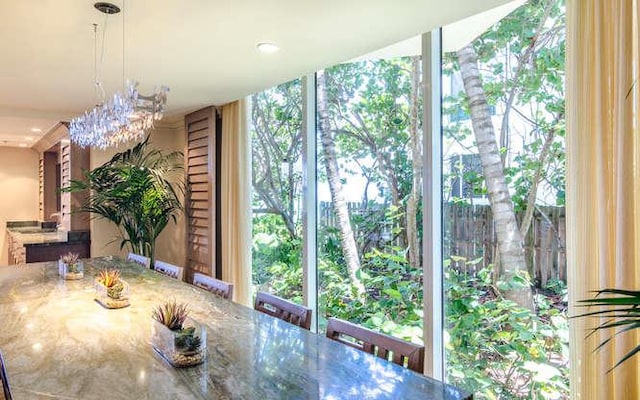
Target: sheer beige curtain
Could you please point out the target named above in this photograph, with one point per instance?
(235, 200)
(603, 184)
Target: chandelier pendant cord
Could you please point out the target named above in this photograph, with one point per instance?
(124, 13)
(97, 65)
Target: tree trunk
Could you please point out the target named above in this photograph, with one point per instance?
(537, 177)
(347, 240)
(510, 243)
(416, 163)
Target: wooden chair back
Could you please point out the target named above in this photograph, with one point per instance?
(6, 389)
(170, 270)
(138, 259)
(403, 353)
(283, 309)
(213, 285)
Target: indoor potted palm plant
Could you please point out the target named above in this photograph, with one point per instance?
(139, 190)
(177, 338)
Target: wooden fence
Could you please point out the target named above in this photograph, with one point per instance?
(470, 234)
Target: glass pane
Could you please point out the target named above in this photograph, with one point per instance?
(276, 134)
(506, 331)
(369, 152)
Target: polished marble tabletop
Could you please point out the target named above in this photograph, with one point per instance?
(59, 343)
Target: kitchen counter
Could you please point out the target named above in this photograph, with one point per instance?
(30, 236)
(34, 241)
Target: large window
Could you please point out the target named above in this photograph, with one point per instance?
(369, 191)
(504, 333)
(504, 263)
(277, 130)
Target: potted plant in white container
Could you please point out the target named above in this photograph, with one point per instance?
(70, 267)
(177, 338)
(111, 290)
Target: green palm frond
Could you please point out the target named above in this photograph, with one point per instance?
(622, 310)
(140, 190)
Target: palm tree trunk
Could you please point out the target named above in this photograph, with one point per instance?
(347, 241)
(510, 243)
(416, 163)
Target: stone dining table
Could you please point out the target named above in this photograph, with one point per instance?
(58, 343)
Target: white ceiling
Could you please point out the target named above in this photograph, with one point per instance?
(203, 50)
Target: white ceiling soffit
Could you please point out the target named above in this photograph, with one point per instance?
(23, 132)
(454, 36)
(205, 51)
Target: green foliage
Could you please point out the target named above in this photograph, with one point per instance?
(171, 314)
(139, 190)
(186, 339)
(498, 350)
(621, 310)
(524, 65)
(393, 303)
(277, 265)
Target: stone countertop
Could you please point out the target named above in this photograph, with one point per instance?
(59, 343)
(33, 236)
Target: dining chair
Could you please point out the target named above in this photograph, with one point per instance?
(138, 259)
(6, 390)
(384, 346)
(170, 270)
(213, 285)
(283, 309)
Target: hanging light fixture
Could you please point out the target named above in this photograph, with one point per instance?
(126, 116)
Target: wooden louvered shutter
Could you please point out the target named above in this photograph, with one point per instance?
(200, 160)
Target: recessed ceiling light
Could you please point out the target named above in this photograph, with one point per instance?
(22, 145)
(36, 130)
(267, 47)
(28, 138)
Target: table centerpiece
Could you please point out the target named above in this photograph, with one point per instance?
(70, 267)
(111, 290)
(179, 339)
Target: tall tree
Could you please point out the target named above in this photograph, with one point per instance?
(526, 51)
(277, 147)
(510, 243)
(411, 216)
(327, 139)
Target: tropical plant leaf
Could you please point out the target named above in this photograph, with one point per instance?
(139, 190)
(622, 311)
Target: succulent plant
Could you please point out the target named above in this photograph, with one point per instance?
(109, 277)
(171, 314)
(187, 340)
(71, 260)
(115, 291)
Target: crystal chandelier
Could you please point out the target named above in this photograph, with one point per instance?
(124, 117)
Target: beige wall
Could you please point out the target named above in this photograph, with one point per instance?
(19, 190)
(171, 244)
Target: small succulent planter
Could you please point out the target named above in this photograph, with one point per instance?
(70, 267)
(71, 272)
(111, 290)
(179, 339)
(181, 348)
